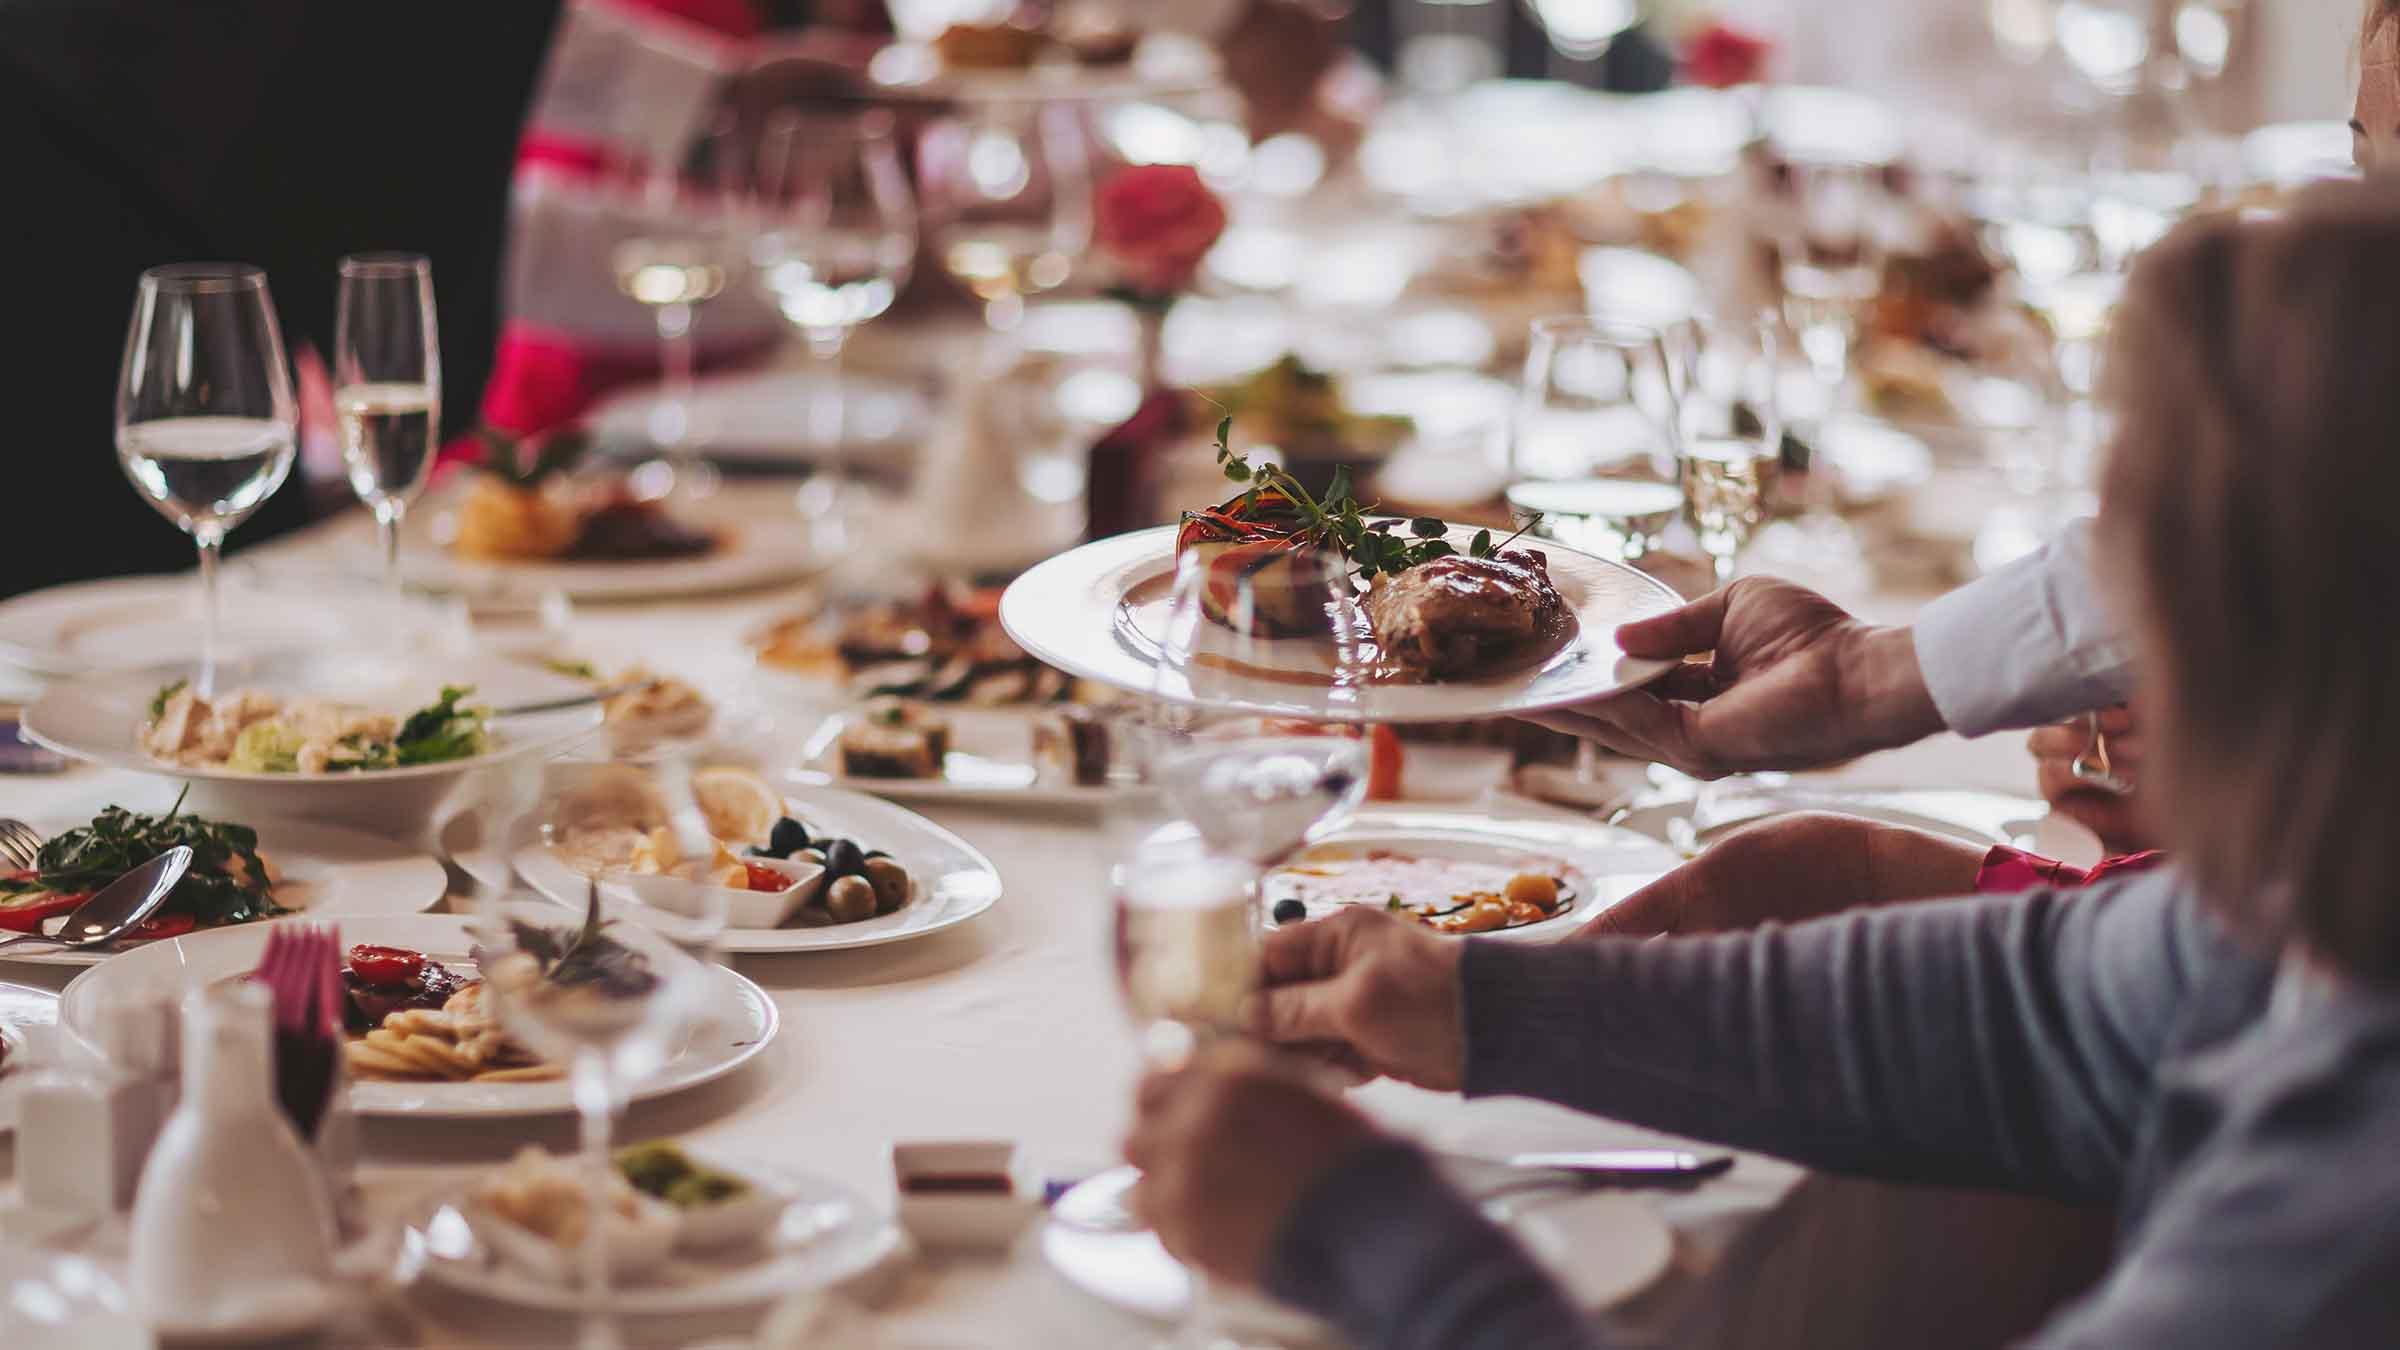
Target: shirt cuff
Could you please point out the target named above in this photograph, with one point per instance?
(2026, 645)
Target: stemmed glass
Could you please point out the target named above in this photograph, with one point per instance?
(387, 386)
(837, 235)
(1581, 31)
(609, 990)
(1008, 198)
(1592, 445)
(1829, 243)
(205, 415)
(1729, 430)
(694, 209)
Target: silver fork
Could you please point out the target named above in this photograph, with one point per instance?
(20, 844)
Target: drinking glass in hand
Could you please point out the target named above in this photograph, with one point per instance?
(1008, 198)
(837, 236)
(679, 262)
(1592, 450)
(204, 410)
(1729, 429)
(387, 386)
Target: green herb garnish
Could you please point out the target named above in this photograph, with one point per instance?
(227, 882)
(158, 701)
(504, 455)
(440, 731)
(573, 670)
(586, 956)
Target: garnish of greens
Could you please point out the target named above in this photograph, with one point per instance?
(158, 701)
(504, 455)
(586, 957)
(1337, 520)
(226, 884)
(438, 732)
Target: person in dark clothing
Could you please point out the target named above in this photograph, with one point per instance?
(276, 132)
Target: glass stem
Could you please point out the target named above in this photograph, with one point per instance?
(825, 416)
(675, 363)
(387, 525)
(1004, 312)
(211, 540)
(595, 1103)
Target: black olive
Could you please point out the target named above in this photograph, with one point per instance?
(843, 859)
(788, 838)
(1290, 911)
(874, 853)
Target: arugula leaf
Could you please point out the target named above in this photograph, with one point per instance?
(158, 701)
(227, 882)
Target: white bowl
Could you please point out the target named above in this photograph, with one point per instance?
(988, 1220)
(744, 908)
(739, 1222)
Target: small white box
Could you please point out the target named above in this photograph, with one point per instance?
(960, 1193)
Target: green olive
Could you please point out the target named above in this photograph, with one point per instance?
(891, 884)
(850, 899)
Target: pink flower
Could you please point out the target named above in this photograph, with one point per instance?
(1721, 56)
(1159, 221)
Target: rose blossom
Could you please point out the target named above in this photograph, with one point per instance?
(1159, 221)
(1721, 56)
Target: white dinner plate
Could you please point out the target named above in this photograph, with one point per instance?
(827, 1235)
(761, 419)
(1605, 864)
(950, 881)
(1097, 612)
(1964, 814)
(738, 1023)
(991, 761)
(768, 542)
(128, 622)
(1602, 1246)
(21, 1006)
(329, 875)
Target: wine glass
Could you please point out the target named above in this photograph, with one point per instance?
(609, 989)
(1829, 244)
(1581, 31)
(387, 386)
(205, 414)
(1008, 198)
(837, 234)
(693, 209)
(1592, 445)
(1729, 431)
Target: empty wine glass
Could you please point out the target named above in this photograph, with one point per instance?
(1728, 430)
(205, 414)
(1830, 244)
(1008, 198)
(609, 989)
(387, 386)
(1592, 446)
(837, 234)
(694, 209)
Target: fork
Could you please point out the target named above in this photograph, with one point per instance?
(20, 844)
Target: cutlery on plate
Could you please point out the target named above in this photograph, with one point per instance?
(20, 844)
(572, 701)
(118, 906)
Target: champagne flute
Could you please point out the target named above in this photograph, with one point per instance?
(205, 414)
(838, 233)
(1729, 431)
(1008, 198)
(611, 990)
(387, 386)
(677, 264)
(1592, 445)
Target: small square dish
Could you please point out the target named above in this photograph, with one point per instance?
(960, 1193)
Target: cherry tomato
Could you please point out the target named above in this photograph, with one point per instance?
(163, 926)
(766, 879)
(24, 913)
(385, 967)
(1385, 762)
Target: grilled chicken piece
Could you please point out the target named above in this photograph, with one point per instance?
(1461, 616)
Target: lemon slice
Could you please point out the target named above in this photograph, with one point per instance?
(739, 806)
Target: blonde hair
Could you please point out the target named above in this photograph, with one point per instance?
(2251, 514)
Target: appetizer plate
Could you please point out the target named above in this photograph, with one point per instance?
(769, 543)
(1604, 863)
(951, 881)
(1097, 611)
(827, 1235)
(738, 1023)
(129, 622)
(329, 874)
(21, 1006)
(991, 762)
(99, 719)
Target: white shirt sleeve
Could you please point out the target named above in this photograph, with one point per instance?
(2029, 644)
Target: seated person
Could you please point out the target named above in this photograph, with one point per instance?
(2212, 1048)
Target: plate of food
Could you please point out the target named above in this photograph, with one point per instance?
(1528, 878)
(141, 621)
(690, 1231)
(351, 737)
(21, 1007)
(811, 869)
(1463, 624)
(422, 1041)
(515, 526)
(239, 875)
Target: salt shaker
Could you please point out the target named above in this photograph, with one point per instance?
(86, 1121)
(233, 1226)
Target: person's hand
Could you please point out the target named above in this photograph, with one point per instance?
(2116, 817)
(1793, 868)
(1225, 1144)
(1366, 991)
(1794, 682)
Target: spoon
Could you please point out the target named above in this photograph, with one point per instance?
(120, 904)
(571, 701)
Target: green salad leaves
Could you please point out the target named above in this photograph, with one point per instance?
(227, 882)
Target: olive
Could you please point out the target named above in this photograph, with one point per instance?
(890, 882)
(788, 837)
(874, 853)
(1290, 911)
(850, 899)
(843, 859)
